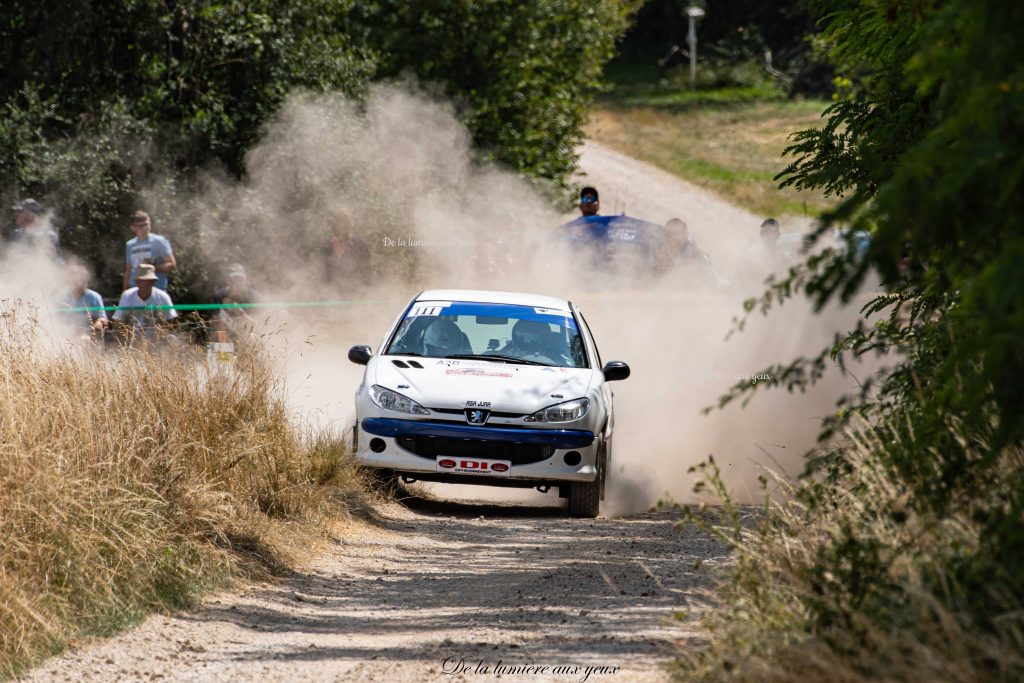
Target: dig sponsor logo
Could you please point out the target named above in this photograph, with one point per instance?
(473, 466)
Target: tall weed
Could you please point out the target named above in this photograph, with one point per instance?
(131, 480)
(851, 580)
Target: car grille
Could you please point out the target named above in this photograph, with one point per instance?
(516, 453)
(462, 411)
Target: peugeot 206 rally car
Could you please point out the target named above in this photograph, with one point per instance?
(489, 388)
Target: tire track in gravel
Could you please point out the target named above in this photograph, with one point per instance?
(432, 582)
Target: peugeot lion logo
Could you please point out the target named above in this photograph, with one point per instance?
(476, 417)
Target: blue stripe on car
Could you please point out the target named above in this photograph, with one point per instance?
(559, 438)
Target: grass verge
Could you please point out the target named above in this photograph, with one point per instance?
(133, 481)
(728, 138)
(848, 580)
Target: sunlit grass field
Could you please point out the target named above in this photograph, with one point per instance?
(727, 138)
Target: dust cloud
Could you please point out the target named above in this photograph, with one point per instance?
(400, 168)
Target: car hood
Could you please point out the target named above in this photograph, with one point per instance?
(507, 387)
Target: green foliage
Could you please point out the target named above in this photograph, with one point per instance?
(113, 104)
(732, 39)
(106, 100)
(523, 71)
(924, 151)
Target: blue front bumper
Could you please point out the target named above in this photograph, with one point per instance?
(559, 438)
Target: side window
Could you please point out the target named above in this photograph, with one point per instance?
(583, 321)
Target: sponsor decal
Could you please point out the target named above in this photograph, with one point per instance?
(477, 372)
(551, 311)
(485, 468)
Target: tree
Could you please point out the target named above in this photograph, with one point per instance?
(925, 153)
(523, 72)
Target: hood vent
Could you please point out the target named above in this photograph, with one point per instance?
(400, 363)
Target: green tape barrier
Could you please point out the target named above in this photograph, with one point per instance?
(217, 307)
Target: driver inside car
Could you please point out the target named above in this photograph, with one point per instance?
(530, 338)
(444, 338)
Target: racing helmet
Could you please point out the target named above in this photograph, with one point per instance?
(442, 337)
(530, 334)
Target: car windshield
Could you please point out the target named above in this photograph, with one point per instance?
(503, 332)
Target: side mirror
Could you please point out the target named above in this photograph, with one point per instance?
(615, 370)
(360, 355)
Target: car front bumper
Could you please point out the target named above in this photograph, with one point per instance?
(535, 454)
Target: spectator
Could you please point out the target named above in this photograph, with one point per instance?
(80, 296)
(763, 256)
(31, 230)
(346, 256)
(769, 237)
(683, 251)
(237, 291)
(145, 295)
(590, 202)
(147, 248)
(681, 243)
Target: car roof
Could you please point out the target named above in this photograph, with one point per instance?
(484, 296)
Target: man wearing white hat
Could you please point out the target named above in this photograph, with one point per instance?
(145, 295)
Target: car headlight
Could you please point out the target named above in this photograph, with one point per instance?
(392, 400)
(562, 412)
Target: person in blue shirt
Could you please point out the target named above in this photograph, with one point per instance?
(80, 296)
(147, 247)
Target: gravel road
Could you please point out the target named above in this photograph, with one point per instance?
(440, 592)
(449, 591)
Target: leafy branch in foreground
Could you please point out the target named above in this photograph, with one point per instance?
(903, 557)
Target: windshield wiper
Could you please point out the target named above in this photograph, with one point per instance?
(404, 353)
(503, 359)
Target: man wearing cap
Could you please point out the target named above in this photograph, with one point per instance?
(147, 248)
(31, 230)
(237, 291)
(144, 296)
(590, 203)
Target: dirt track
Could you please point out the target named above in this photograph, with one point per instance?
(469, 582)
(433, 582)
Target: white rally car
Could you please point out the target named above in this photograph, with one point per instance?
(489, 388)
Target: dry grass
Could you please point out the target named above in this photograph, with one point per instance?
(732, 148)
(131, 481)
(859, 587)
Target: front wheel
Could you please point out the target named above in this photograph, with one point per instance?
(585, 498)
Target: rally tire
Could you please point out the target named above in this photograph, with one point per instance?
(585, 498)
